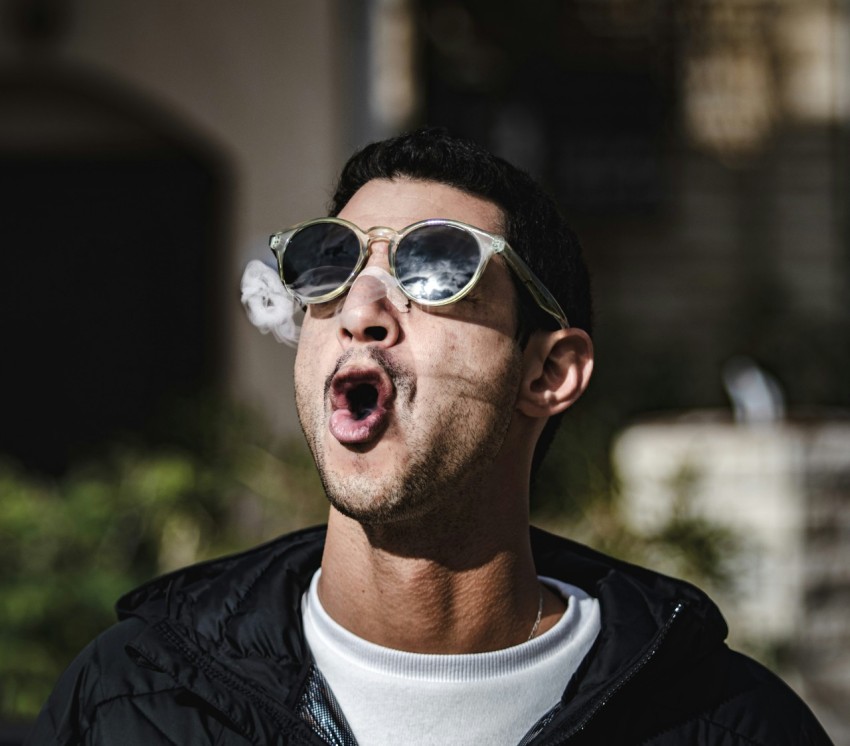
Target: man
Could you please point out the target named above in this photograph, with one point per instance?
(432, 363)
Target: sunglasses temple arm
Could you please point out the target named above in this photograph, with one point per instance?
(538, 290)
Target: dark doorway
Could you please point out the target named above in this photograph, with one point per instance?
(113, 225)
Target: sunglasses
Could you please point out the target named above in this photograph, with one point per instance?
(435, 262)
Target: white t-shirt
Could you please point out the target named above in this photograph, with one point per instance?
(392, 696)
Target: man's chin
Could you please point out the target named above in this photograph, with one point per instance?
(366, 507)
(373, 497)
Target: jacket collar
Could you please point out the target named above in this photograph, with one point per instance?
(643, 614)
(239, 616)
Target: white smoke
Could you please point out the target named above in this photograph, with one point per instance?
(269, 307)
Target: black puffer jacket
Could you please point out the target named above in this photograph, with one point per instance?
(214, 654)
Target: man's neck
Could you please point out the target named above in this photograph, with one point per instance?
(462, 586)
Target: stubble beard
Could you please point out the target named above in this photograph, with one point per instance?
(446, 460)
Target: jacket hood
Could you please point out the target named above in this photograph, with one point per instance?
(241, 606)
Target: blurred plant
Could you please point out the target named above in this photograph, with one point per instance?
(70, 547)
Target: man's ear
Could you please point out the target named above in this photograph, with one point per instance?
(556, 370)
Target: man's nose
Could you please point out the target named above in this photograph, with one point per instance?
(370, 312)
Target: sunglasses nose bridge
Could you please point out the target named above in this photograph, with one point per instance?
(380, 235)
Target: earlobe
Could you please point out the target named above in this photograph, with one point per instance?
(557, 369)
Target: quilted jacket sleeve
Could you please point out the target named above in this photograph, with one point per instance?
(108, 698)
(63, 719)
(101, 676)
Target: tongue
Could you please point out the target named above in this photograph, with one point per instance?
(359, 426)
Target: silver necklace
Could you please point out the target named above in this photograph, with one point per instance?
(539, 613)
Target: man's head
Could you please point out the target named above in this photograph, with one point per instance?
(530, 220)
(409, 407)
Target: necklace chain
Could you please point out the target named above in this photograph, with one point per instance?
(539, 613)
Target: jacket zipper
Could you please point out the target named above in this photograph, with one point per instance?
(624, 679)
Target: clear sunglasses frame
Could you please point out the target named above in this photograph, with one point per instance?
(489, 244)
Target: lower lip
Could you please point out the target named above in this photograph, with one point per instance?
(351, 431)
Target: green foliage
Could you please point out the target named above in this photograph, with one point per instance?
(70, 547)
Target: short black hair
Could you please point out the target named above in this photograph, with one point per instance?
(533, 224)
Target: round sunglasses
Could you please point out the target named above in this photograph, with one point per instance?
(435, 262)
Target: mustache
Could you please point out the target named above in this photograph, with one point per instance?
(402, 377)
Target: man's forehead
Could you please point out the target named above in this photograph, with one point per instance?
(400, 202)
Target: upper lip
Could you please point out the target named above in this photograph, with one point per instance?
(348, 380)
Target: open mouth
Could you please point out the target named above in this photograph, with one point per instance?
(359, 401)
(362, 400)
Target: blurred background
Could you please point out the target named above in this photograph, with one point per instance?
(700, 149)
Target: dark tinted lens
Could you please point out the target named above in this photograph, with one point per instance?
(319, 259)
(435, 262)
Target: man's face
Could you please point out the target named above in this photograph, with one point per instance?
(407, 409)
